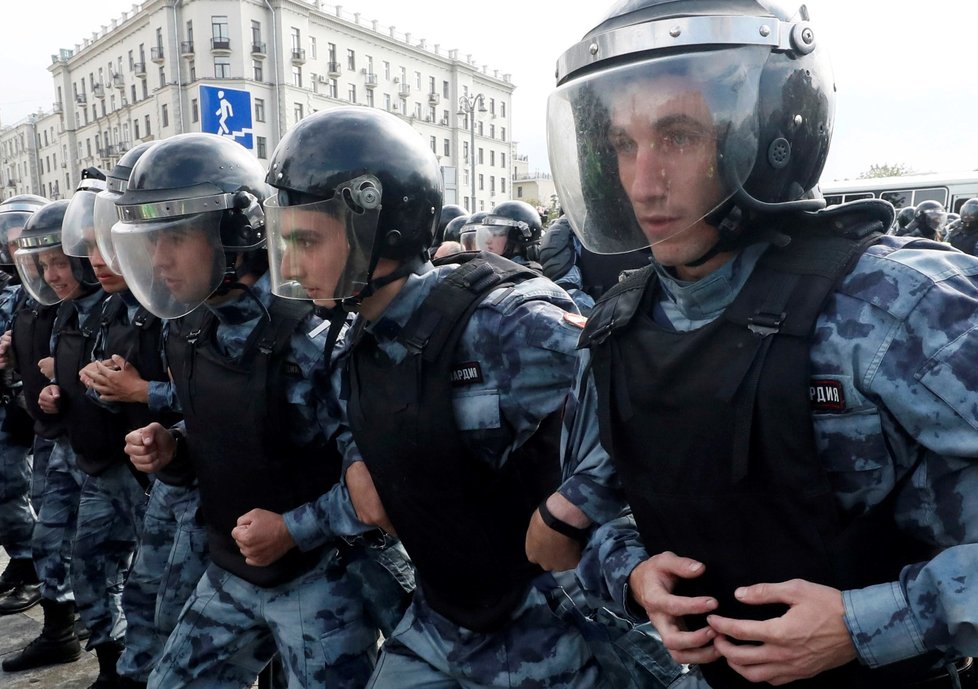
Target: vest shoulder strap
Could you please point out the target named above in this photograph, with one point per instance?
(450, 302)
(617, 307)
(273, 336)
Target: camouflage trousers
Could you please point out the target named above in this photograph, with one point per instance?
(110, 516)
(171, 558)
(54, 533)
(229, 630)
(16, 515)
(40, 458)
(536, 649)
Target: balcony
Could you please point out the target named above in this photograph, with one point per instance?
(81, 98)
(187, 48)
(404, 90)
(371, 81)
(156, 54)
(434, 98)
(221, 44)
(139, 68)
(118, 81)
(98, 91)
(334, 69)
(258, 50)
(298, 56)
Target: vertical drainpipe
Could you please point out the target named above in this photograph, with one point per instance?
(276, 89)
(177, 57)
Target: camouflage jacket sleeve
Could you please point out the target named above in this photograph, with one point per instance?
(899, 341)
(590, 481)
(612, 552)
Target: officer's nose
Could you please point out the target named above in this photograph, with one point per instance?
(651, 180)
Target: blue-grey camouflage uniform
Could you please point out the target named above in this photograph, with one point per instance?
(16, 514)
(573, 282)
(318, 622)
(525, 347)
(54, 533)
(899, 338)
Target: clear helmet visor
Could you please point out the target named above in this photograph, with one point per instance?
(644, 151)
(105, 217)
(321, 251)
(490, 238)
(48, 274)
(171, 265)
(78, 228)
(11, 225)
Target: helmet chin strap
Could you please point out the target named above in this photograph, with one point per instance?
(735, 232)
(352, 304)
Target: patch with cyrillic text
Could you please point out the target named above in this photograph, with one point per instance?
(467, 373)
(827, 396)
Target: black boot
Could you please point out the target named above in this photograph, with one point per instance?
(108, 655)
(26, 590)
(56, 644)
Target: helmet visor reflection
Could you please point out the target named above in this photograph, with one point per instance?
(642, 152)
(105, 217)
(47, 274)
(78, 228)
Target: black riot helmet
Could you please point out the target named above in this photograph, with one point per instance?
(467, 234)
(719, 110)
(116, 183)
(929, 219)
(190, 222)
(453, 230)
(511, 229)
(354, 183)
(78, 230)
(904, 216)
(557, 251)
(968, 213)
(14, 214)
(47, 273)
(448, 213)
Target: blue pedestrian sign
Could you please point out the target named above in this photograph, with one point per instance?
(226, 112)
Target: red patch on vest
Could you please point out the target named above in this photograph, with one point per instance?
(827, 395)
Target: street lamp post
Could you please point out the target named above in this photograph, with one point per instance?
(467, 106)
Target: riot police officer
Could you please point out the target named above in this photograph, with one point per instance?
(784, 396)
(454, 395)
(243, 365)
(929, 221)
(512, 229)
(449, 212)
(964, 236)
(19, 586)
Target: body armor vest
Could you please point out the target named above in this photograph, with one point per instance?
(711, 434)
(31, 342)
(463, 522)
(238, 434)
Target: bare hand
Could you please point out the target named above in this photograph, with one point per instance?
(366, 500)
(116, 380)
(652, 583)
(809, 638)
(551, 550)
(262, 537)
(6, 351)
(151, 447)
(46, 366)
(49, 399)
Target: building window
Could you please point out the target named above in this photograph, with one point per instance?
(519, 192)
(370, 98)
(492, 184)
(296, 41)
(262, 146)
(387, 102)
(481, 186)
(193, 70)
(502, 108)
(480, 128)
(434, 145)
(417, 80)
(162, 77)
(444, 89)
(132, 62)
(149, 131)
(492, 131)
(351, 60)
(334, 89)
(502, 133)
(132, 92)
(222, 68)
(297, 76)
(259, 72)
(502, 184)
(431, 85)
(312, 46)
(259, 110)
(135, 133)
(351, 93)
(502, 160)
(331, 49)
(492, 157)
(387, 70)
(165, 115)
(219, 31)
(479, 158)
(448, 148)
(194, 110)
(255, 34)
(298, 111)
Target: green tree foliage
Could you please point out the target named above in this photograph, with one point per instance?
(887, 170)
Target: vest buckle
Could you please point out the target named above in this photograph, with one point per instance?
(764, 324)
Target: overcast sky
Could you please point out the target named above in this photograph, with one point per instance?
(907, 73)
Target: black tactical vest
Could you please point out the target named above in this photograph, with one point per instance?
(97, 435)
(31, 342)
(238, 435)
(463, 523)
(711, 434)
